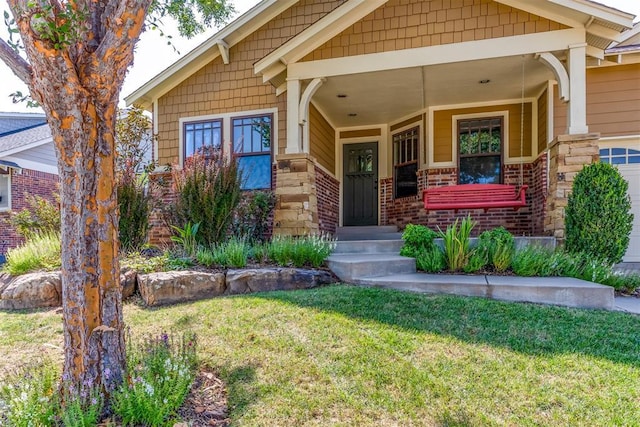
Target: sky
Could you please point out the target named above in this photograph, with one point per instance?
(153, 54)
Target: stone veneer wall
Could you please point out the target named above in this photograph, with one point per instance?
(538, 191)
(568, 155)
(34, 183)
(296, 212)
(328, 193)
(407, 210)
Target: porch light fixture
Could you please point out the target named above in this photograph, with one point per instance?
(484, 81)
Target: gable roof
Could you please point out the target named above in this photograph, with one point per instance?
(603, 25)
(15, 122)
(17, 141)
(215, 46)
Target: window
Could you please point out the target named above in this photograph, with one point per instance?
(405, 162)
(202, 138)
(252, 145)
(619, 156)
(480, 151)
(5, 189)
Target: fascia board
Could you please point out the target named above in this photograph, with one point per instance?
(206, 52)
(317, 34)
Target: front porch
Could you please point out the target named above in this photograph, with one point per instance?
(375, 133)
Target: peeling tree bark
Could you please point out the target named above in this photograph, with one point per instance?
(78, 86)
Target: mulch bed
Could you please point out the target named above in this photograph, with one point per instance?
(206, 403)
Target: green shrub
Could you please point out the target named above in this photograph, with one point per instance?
(500, 245)
(598, 218)
(251, 218)
(232, 253)
(207, 193)
(302, 251)
(531, 261)
(40, 217)
(146, 264)
(206, 257)
(456, 243)
(160, 372)
(186, 237)
(134, 202)
(624, 282)
(431, 260)
(39, 252)
(418, 240)
(478, 259)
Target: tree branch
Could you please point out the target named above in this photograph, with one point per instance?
(18, 65)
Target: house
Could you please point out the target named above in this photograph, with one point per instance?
(28, 165)
(366, 103)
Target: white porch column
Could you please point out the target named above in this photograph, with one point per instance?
(577, 114)
(303, 111)
(293, 126)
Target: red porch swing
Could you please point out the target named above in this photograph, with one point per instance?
(481, 196)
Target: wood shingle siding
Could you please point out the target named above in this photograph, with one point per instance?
(218, 88)
(322, 140)
(442, 123)
(406, 24)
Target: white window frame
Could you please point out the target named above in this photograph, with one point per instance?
(5, 191)
(226, 118)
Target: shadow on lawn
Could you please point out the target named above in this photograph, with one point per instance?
(525, 328)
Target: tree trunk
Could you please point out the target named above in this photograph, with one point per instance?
(91, 292)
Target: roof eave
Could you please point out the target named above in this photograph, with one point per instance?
(206, 52)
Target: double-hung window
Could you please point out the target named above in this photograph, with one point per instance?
(251, 138)
(203, 138)
(405, 162)
(5, 189)
(480, 151)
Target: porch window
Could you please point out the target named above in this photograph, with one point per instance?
(480, 151)
(5, 189)
(252, 146)
(202, 138)
(405, 162)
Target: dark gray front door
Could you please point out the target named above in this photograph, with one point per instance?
(360, 204)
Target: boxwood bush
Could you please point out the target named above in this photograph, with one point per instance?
(598, 217)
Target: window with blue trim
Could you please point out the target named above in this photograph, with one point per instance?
(203, 138)
(619, 156)
(252, 148)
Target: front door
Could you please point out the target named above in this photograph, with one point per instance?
(360, 192)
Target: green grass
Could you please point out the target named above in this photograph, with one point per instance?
(357, 356)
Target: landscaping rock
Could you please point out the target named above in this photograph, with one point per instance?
(177, 286)
(275, 279)
(34, 290)
(128, 279)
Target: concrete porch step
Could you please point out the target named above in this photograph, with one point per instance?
(350, 267)
(562, 291)
(368, 246)
(369, 232)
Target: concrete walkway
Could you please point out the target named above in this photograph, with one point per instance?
(377, 263)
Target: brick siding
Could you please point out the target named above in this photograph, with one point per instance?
(527, 221)
(30, 182)
(328, 193)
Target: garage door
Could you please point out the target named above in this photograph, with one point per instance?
(628, 163)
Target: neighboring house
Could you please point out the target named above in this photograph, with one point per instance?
(28, 165)
(349, 109)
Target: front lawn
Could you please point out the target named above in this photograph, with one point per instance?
(347, 355)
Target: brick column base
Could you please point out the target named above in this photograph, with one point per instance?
(296, 211)
(568, 154)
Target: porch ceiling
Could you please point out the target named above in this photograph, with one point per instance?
(387, 96)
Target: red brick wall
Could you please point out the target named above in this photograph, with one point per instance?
(328, 193)
(526, 221)
(30, 182)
